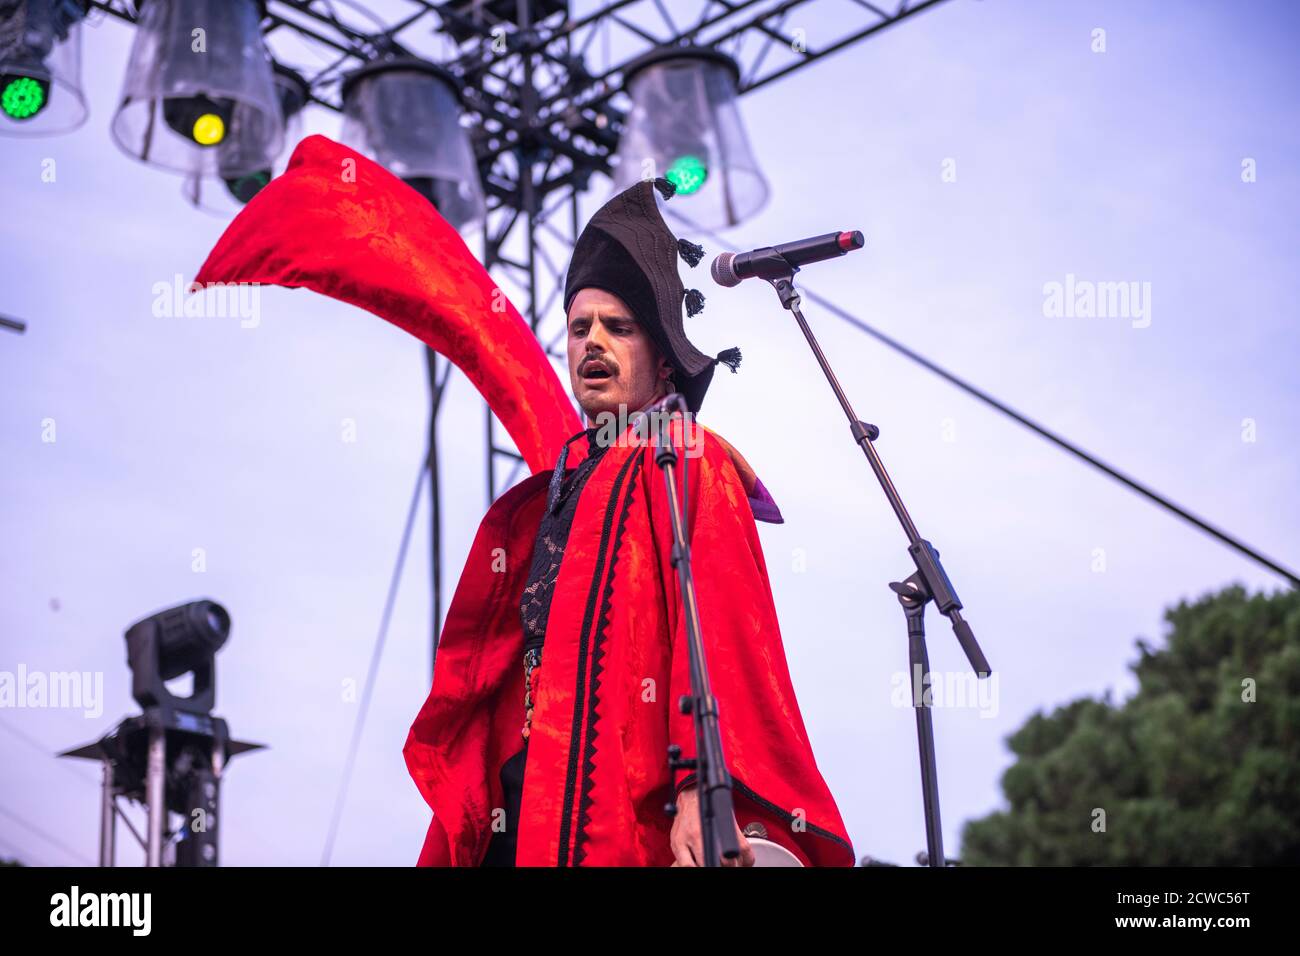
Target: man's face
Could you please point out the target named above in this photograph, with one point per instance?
(612, 360)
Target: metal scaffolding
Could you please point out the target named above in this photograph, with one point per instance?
(545, 104)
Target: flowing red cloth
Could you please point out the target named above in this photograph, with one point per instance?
(614, 665)
(615, 659)
(342, 225)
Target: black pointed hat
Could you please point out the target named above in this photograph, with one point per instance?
(628, 251)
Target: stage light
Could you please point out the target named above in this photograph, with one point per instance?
(685, 125)
(293, 93)
(40, 66)
(23, 97)
(243, 188)
(199, 97)
(687, 173)
(405, 114)
(174, 642)
(207, 128)
(172, 757)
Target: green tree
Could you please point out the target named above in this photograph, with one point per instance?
(1200, 767)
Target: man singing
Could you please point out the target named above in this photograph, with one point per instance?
(544, 738)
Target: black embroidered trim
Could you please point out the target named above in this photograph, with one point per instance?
(581, 695)
(786, 814)
(597, 655)
(693, 778)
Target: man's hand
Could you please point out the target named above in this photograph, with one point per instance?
(687, 841)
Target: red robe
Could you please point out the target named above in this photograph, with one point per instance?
(615, 659)
(614, 665)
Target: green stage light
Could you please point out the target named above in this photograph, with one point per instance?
(40, 53)
(244, 188)
(684, 122)
(22, 97)
(687, 173)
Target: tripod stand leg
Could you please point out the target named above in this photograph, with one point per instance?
(155, 794)
(914, 598)
(107, 819)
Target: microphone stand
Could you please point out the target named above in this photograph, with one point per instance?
(717, 810)
(928, 583)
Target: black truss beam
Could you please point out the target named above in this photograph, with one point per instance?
(546, 103)
(531, 91)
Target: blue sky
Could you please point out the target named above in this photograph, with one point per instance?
(1123, 166)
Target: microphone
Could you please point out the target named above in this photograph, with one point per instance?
(773, 262)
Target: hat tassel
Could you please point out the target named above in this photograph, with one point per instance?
(728, 357)
(694, 301)
(690, 251)
(666, 188)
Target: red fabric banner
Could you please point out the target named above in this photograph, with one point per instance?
(340, 224)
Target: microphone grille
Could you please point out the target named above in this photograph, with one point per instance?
(722, 271)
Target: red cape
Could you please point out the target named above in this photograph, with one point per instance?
(614, 665)
(339, 224)
(342, 225)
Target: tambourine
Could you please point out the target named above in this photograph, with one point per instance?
(767, 853)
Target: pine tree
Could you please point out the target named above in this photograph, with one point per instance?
(1200, 767)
